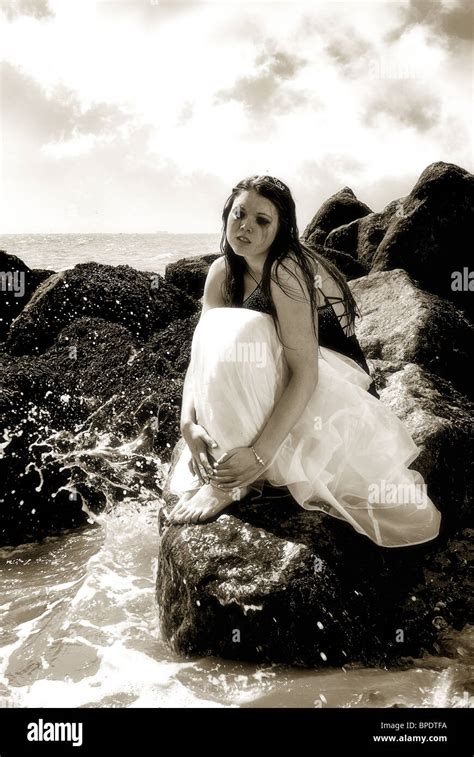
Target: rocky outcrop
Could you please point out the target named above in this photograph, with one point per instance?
(82, 429)
(351, 268)
(91, 375)
(270, 582)
(89, 420)
(402, 324)
(360, 238)
(340, 209)
(143, 302)
(189, 274)
(18, 282)
(427, 233)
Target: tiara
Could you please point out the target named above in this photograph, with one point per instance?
(276, 182)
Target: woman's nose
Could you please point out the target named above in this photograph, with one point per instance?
(245, 226)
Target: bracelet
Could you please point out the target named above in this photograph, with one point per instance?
(257, 456)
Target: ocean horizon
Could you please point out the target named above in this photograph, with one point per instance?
(145, 252)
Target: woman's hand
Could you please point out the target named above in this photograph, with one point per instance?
(199, 441)
(237, 468)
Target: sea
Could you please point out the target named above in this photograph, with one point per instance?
(146, 252)
(78, 615)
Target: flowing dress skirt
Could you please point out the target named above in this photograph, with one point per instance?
(348, 453)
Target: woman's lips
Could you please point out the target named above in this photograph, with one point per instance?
(243, 239)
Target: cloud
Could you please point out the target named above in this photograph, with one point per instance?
(452, 21)
(345, 48)
(49, 117)
(152, 121)
(408, 105)
(185, 114)
(267, 91)
(67, 167)
(37, 8)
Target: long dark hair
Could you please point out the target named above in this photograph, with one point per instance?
(286, 241)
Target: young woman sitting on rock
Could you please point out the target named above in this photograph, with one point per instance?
(278, 389)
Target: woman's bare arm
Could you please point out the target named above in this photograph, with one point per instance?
(301, 352)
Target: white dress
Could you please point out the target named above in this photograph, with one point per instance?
(348, 453)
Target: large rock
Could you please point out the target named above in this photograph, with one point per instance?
(428, 233)
(142, 302)
(271, 582)
(83, 431)
(189, 274)
(360, 238)
(403, 324)
(341, 208)
(18, 282)
(350, 267)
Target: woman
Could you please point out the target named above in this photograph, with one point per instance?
(278, 390)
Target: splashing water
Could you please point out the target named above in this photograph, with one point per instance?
(80, 623)
(80, 629)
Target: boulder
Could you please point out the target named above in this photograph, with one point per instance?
(350, 267)
(84, 431)
(403, 324)
(341, 208)
(189, 274)
(270, 582)
(427, 233)
(142, 302)
(360, 238)
(432, 237)
(18, 282)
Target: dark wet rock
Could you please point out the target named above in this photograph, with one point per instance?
(432, 238)
(360, 238)
(350, 267)
(189, 274)
(143, 302)
(341, 208)
(427, 233)
(174, 342)
(83, 425)
(18, 282)
(402, 324)
(270, 582)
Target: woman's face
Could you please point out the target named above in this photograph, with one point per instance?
(253, 218)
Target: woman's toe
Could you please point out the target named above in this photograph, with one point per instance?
(180, 515)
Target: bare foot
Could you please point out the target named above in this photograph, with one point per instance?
(208, 501)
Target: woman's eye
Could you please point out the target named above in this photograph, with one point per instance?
(237, 212)
(263, 221)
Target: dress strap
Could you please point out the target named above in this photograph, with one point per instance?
(330, 301)
(254, 290)
(253, 277)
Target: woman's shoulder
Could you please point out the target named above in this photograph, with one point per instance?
(286, 269)
(217, 270)
(287, 275)
(213, 288)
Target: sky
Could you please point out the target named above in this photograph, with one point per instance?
(140, 116)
